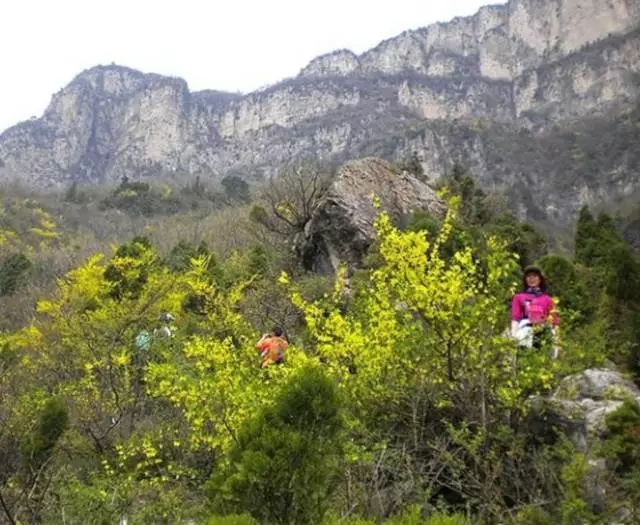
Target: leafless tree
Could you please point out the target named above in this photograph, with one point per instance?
(289, 198)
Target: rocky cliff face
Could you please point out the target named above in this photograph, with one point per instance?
(531, 64)
(499, 42)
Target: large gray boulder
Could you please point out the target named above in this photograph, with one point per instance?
(579, 408)
(341, 228)
(581, 403)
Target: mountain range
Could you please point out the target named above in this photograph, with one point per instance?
(539, 98)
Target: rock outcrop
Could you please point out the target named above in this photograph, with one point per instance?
(581, 403)
(341, 228)
(579, 408)
(531, 64)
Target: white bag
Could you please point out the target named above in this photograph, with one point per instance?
(524, 334)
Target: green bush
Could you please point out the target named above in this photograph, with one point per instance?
(285, 466)
(232, 519)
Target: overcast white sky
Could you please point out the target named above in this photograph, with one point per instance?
(235, 45)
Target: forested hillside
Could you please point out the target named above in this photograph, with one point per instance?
(401, 399)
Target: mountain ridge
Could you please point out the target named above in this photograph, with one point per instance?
(111, 121)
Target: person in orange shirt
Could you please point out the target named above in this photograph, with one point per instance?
(272, 347)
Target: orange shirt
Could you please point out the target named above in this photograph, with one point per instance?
(272, 349)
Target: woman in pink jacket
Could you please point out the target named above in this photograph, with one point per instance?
(534, 318)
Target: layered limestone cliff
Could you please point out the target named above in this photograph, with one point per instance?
(498, 42)
(530, 64)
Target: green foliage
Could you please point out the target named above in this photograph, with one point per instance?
(587, 237)
(422, 221)
(144, 200)
(574, 505)
(614, 279)
(621, 447)
(524, 239)
(414, 516)
(597, 242)
(481, 215)
(628, 223)
(622, 444)
(236, 189)
(53, 422)
(456, 519)
(534, 515)
(421, 339)
(232, 519)
(283, 468)
(14, 273)
(413, 165)
(438, 519)
(75, 195)
(565, 281)
(179, 258)
(258, 260)
(182, 254)
(450, 295)
(402, 401)
(93, 503)
(139, 198)
(474, 209)
(128, 270)
(259, 214)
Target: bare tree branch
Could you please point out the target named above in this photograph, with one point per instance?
(291, 197)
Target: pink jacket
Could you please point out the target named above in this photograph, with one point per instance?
(538, 308)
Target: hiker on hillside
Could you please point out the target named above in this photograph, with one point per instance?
(166, 329)
(534, 319)
(272, 347)
(143, 341)
(163, 329)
